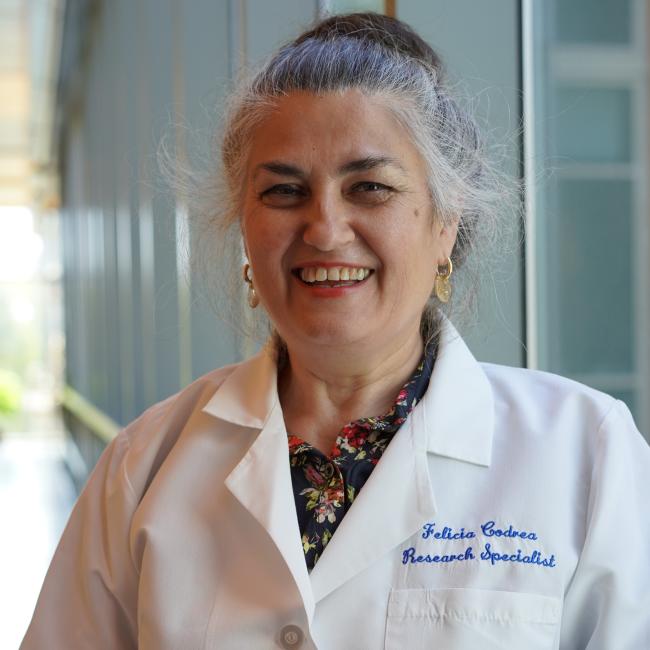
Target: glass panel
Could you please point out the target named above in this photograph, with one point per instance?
(594, 276)
(345, 6)
(593, 21)
(593, 124)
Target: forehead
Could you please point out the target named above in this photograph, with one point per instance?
(332, 128)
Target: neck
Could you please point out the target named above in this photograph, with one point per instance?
(322, 390)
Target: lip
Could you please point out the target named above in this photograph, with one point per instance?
(321, 291)
(330, 292)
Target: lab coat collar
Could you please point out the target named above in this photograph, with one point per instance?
(458, 408)
(248, 394)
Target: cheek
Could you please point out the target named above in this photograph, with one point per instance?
(266, 241)
(414, 238)
(419, 249)
(260, 233)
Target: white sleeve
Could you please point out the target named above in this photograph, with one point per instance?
(88, 599)
(607, 604)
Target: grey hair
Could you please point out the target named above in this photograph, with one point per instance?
(383, 58)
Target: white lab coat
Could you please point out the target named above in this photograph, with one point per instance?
(509, 511)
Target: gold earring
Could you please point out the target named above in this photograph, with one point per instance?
(442, 284)
(253, 300)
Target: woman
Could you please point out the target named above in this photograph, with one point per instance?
(477, 507)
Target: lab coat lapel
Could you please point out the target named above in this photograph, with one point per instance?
(261, 481)
(395, 502)
(455, 418)
(458, 407)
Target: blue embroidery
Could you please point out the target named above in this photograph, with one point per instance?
(490, 531)
(429, 530)
(534, 558)
(409, 556)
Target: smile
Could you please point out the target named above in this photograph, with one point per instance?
(332, 276)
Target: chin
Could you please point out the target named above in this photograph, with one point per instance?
(325, 332)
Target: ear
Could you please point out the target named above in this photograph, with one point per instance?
(447, 233)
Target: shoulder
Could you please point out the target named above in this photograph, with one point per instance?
(142, 447)
(178, 407)
(563, 414)
(543, 399)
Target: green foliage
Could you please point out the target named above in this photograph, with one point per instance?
(10, 392)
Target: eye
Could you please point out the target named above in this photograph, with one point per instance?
(370, 186)
(371, 192)
(282, 194)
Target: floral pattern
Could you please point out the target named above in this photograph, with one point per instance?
(325, 486)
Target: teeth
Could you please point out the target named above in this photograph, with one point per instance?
(333, 274)
(308, 275)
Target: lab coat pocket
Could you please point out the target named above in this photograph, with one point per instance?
(464, 619)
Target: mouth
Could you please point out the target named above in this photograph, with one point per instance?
(334, 276)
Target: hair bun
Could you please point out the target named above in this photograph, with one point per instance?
(390, 33)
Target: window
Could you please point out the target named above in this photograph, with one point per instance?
(587, 262)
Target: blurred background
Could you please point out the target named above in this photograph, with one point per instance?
(98, 319)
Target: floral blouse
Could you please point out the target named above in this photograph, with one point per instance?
(325, 487)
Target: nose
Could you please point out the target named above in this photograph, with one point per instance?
(328, 226)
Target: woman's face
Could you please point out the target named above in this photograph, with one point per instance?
(338, 224)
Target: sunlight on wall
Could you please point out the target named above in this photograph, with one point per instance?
(20, 246)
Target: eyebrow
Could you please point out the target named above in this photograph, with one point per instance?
(363, 164)
(370, 162)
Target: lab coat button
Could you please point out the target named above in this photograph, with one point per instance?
(291, 637)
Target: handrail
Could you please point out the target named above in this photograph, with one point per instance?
(97, 421)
